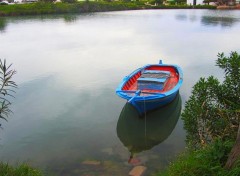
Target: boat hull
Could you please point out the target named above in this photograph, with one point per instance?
(143, 106)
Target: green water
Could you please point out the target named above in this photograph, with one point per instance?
(66, 111)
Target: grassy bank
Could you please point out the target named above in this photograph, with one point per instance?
(81, 7)
(208, 161)
(21, 170)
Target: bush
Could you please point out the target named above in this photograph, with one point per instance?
(212, 110)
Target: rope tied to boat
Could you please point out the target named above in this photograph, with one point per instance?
(145, 118)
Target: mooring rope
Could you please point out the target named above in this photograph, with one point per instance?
(145, 117)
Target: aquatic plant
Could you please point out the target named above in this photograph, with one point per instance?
(7, 88)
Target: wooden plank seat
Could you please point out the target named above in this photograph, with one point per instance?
(153, 80)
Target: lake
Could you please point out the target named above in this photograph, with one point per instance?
(67, 119)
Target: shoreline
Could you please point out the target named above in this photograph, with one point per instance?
(41, 8)
(225, 7)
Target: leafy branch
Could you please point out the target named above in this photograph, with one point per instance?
(7, 88)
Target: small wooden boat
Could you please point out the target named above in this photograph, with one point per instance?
(151, 86)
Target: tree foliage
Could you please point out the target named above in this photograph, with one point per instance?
(213, 109)
(70, 1)
(7, 88)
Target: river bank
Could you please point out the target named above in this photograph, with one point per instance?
(41, 8)
(225, 7)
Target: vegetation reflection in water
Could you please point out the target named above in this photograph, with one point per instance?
(140, 134)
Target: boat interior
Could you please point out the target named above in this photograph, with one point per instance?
(153, 79)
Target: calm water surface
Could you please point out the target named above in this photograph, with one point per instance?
(66, 112)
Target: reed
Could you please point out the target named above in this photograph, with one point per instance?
(7, 88)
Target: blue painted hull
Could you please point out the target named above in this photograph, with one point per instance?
(146, 101)
(148, 105)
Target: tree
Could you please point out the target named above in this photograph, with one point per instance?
(194, 2)
(235, 152)
(181, 1)
(7, 88)
(157, 2)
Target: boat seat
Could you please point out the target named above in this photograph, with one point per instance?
(155, 74)
(153, 80)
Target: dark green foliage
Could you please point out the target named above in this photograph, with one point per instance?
(213, 109)
(69, 1)
(7, 87)
(204, 7)
(181, 1)
(21, 170)
(126, 0)
(3, 3)
(231, 86)
(208, 161)
(157, 2)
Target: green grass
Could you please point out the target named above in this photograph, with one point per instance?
(209, 161)
(21, 170)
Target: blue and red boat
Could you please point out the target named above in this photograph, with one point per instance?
(151, 86)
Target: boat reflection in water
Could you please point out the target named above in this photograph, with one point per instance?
(140, 134)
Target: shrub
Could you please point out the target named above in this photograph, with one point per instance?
(212, 110)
